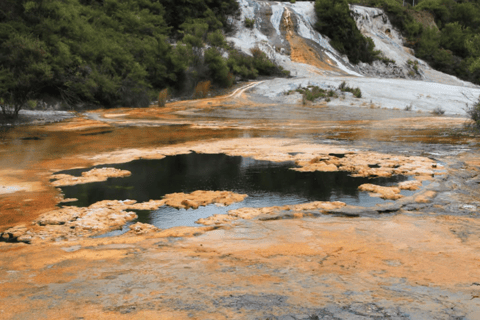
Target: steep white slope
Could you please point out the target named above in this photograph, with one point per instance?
(273, 21)
(285, 32)
(374, 23)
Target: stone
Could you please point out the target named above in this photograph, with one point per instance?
(142, 228)
(390, 193)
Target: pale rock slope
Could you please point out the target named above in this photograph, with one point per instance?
(284, 31)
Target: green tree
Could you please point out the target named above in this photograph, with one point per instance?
(335, 21)
(473, 46)
(24, 70)
(429, 43)
(453, 37)
(218, 67)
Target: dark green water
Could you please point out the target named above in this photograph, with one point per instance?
(266, 184)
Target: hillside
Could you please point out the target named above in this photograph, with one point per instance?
(286, 32)
(83, 54)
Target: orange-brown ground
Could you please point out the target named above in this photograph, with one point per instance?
(422, 261)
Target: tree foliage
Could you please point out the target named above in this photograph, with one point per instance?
(114, 52)
(335, 21)
(451, 47)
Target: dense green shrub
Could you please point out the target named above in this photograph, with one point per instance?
(312, 93)
(474, 114)
(335, 21)
(249, 23)
(250, 67)
(115, 52)
(218, 67)
(107, 53)
(214, 12)
(449, 48)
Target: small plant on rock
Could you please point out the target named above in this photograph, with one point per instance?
(345, 88)
(409, 107)
(438, 111)
(249, 23)
(414, 66)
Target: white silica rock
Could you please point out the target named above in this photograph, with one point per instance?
(383, 87)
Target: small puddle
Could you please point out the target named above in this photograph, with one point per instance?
(97, 133)
(266, 184)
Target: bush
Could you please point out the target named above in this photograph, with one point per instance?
(311, 93)
(438, 111)
(218, 67)
(357, 92)
(202, 89)
(105, 53)
(345, 88)
(250, 67)
(474, 114)
(162, 97)
(249, 23)
(261, 62)
(335, 21)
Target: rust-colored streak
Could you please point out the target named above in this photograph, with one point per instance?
(302, 52)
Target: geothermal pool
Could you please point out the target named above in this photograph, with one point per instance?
(266, 184)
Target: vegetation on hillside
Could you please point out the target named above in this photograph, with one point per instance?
(115, 52)
(452, 44)
(312, 93)
(474, 114)
(336, 22)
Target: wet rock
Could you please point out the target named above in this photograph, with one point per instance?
(101, 217)
(216, 219)
(390, 193)
(360, 164)
(25, 238)
(254, 302)
(94, 175)
(14, 233)
(184, 231)
(202, 198)
(119, 204)
(150, 205)
(142, 228)
(351, 211)
(59, 216)
(389, 207)
(272, 213)
(410, 185)
(425, 197)
(187, 204)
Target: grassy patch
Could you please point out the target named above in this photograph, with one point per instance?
(312, 93)
(343, 87)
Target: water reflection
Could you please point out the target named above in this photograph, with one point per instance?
(266, 183)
